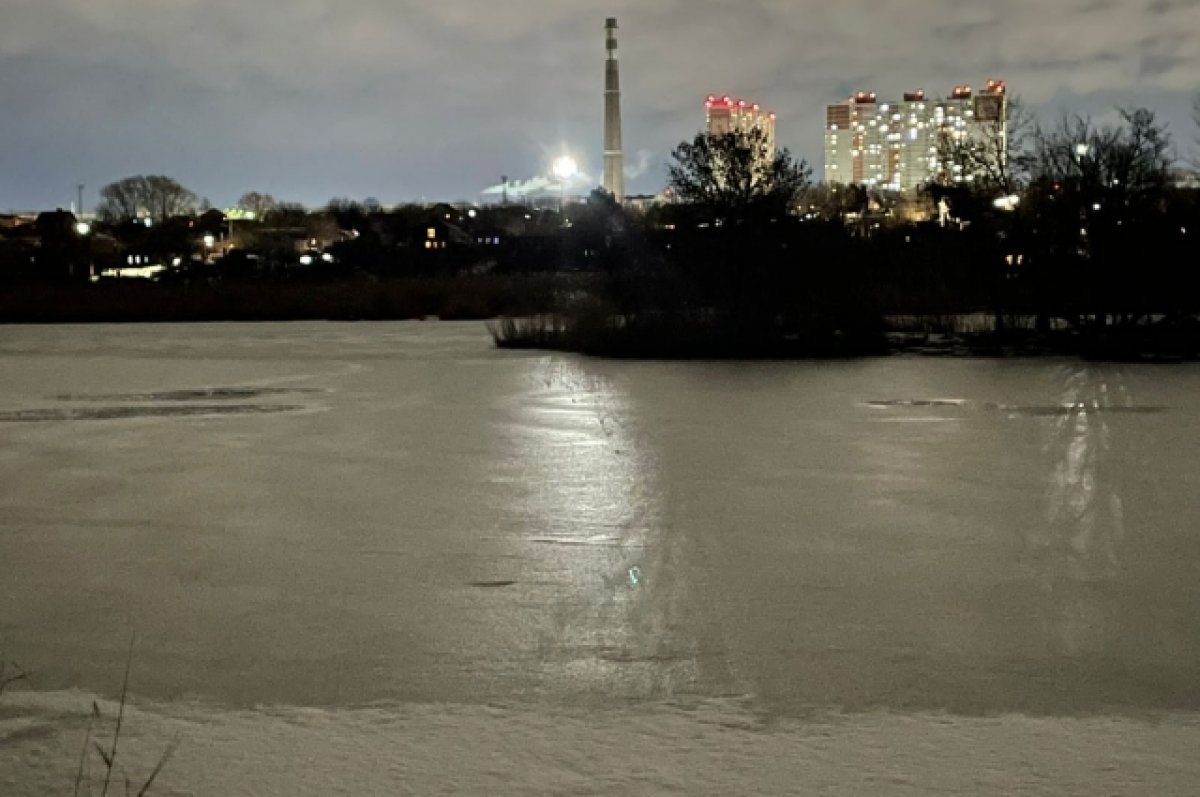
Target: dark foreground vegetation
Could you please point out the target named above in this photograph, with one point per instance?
(1077, 239)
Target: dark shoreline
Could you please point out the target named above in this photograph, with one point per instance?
(521, 314)
(364, 299)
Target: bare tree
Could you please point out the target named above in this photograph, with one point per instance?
(167, 198)
(737, 176)
(990, 155)
(258, 204)
(155, 196)
(1129, 161)
(1196, 134)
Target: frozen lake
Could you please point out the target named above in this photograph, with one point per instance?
(379, 557)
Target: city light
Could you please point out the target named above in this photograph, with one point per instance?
(83, 228)
(564, 168)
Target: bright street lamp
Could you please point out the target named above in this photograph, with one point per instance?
(564, 169)
(83, 228)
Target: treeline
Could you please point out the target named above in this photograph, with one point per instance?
(1075, 237)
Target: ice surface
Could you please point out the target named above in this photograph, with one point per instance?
(430, 564)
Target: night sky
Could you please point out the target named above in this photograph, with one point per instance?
(399, 100)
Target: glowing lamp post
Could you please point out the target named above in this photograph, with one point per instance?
(564, 169)
(83, 229)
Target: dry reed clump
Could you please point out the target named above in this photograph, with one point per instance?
(11, 672)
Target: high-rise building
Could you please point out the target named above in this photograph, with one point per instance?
(614, 158)
(725, 115)
(899, 145)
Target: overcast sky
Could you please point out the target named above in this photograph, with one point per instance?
(399, 100)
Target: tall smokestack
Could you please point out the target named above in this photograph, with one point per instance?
(614, 159)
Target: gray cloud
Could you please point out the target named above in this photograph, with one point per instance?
(398, 99)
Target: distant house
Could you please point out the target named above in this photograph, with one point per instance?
(1187, 179)
(55, 224)
(12, 221)
(51, 248)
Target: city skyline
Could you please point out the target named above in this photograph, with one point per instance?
(308, 100)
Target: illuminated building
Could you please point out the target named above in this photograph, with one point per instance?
(895, 144)
(724, 115)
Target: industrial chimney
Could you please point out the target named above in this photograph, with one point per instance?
(614, 160)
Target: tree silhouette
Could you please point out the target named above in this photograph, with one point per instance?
(989, 158)
(736, 177)
(258, 204)
(155, 196)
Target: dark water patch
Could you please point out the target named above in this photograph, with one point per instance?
(589, 542)
(492, 584)
(199, 394)
(889, 403)
(1074, 409)
(623, 655)
(125, 413)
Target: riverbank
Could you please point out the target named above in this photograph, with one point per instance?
(562, 313)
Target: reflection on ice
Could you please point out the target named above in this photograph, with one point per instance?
(1080, 542)
(1084, 509)
(593, 520)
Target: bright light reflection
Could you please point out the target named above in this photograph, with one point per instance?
(594, 519)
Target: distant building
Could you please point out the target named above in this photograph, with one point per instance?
(896, 144)
(11, 221)
(724, 115)
(614, 159)
(1187, 179)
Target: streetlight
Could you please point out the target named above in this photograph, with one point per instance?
(564, 169)
(82, 229)
(209, 240)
